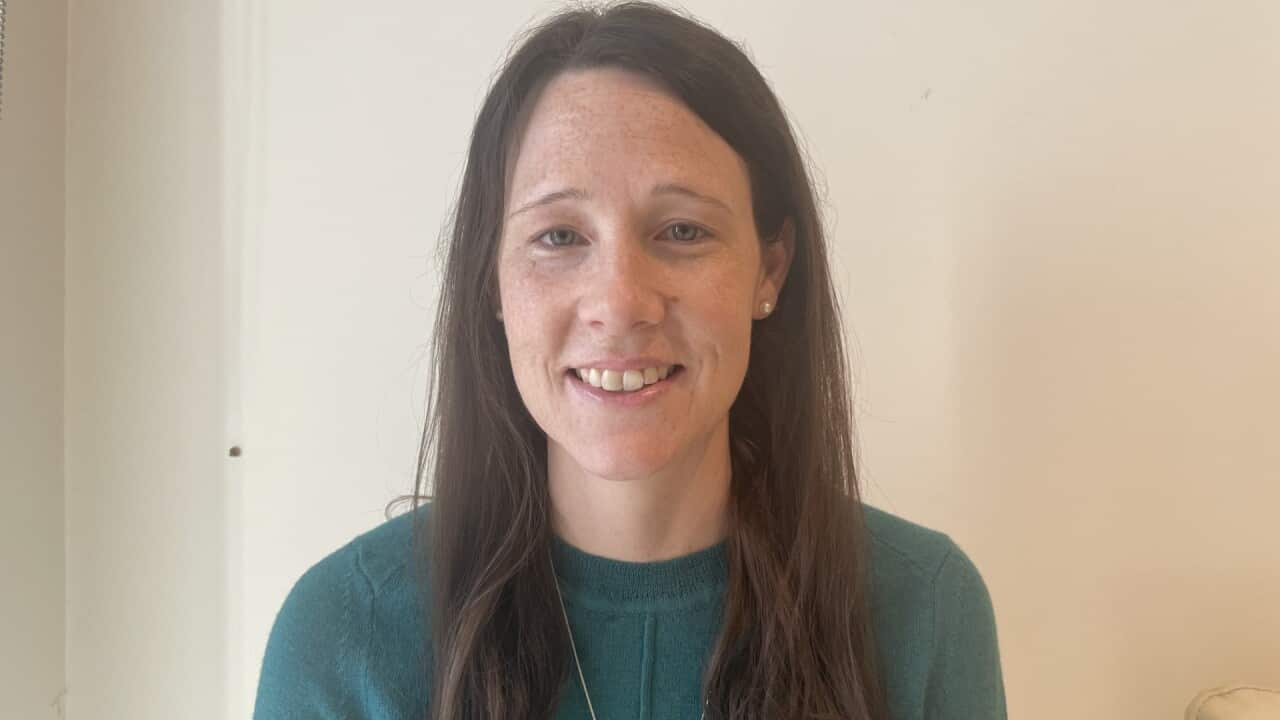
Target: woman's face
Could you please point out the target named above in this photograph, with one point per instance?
(629, 253)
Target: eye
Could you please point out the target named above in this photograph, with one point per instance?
(685, 233)
(559, 237)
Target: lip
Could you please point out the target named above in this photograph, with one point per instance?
(620, 363)
(636, 398)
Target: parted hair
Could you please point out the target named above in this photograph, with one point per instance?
(796, 639)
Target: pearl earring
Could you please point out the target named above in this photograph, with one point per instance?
(766, 307)
(499, 315)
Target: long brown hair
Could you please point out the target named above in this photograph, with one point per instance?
(796, 639)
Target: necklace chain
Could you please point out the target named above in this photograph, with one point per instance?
(573, 646)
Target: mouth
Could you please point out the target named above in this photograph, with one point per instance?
(623, 382)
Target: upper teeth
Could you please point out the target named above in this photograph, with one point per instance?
(623, 380)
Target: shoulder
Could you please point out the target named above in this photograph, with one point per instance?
(345, 616)
(916, 564)
(369, 566)
(934, 622)
(901, 548)
(384, 554)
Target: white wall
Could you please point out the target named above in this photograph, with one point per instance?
(146, 369)
(1057, 235)
(1063, 275)
(358, 124)
(31, 354)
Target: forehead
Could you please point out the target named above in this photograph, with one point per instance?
(607, 128)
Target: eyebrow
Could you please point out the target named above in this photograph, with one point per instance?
(659, 189)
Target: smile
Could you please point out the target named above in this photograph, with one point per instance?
(623, 380)
(580, 379)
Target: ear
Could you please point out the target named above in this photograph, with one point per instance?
(775, 261)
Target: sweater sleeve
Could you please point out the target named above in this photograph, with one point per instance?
(965, 679)
(316, 661)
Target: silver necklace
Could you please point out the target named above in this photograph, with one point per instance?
(574, 647)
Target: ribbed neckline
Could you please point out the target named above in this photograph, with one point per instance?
(695, 578)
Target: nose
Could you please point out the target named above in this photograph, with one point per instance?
(624, 290)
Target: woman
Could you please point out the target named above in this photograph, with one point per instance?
(640, 484)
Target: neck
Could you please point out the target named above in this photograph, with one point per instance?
(677, 510)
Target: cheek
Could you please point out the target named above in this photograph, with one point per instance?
(738, 323)
(533, 327)
(727, 301)
(526, 285)
(527, 337)
(516, 293)
(526, 353)
(518, 322)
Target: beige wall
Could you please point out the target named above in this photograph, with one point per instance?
(1064, 275)
(31, 358)
(146, 379)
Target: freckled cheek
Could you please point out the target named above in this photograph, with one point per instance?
(721, 334)
(734, 324)
(519, 299)
(530, 319)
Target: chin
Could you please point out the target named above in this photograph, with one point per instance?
(622, 463)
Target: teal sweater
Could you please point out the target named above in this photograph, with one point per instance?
(348, 642)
